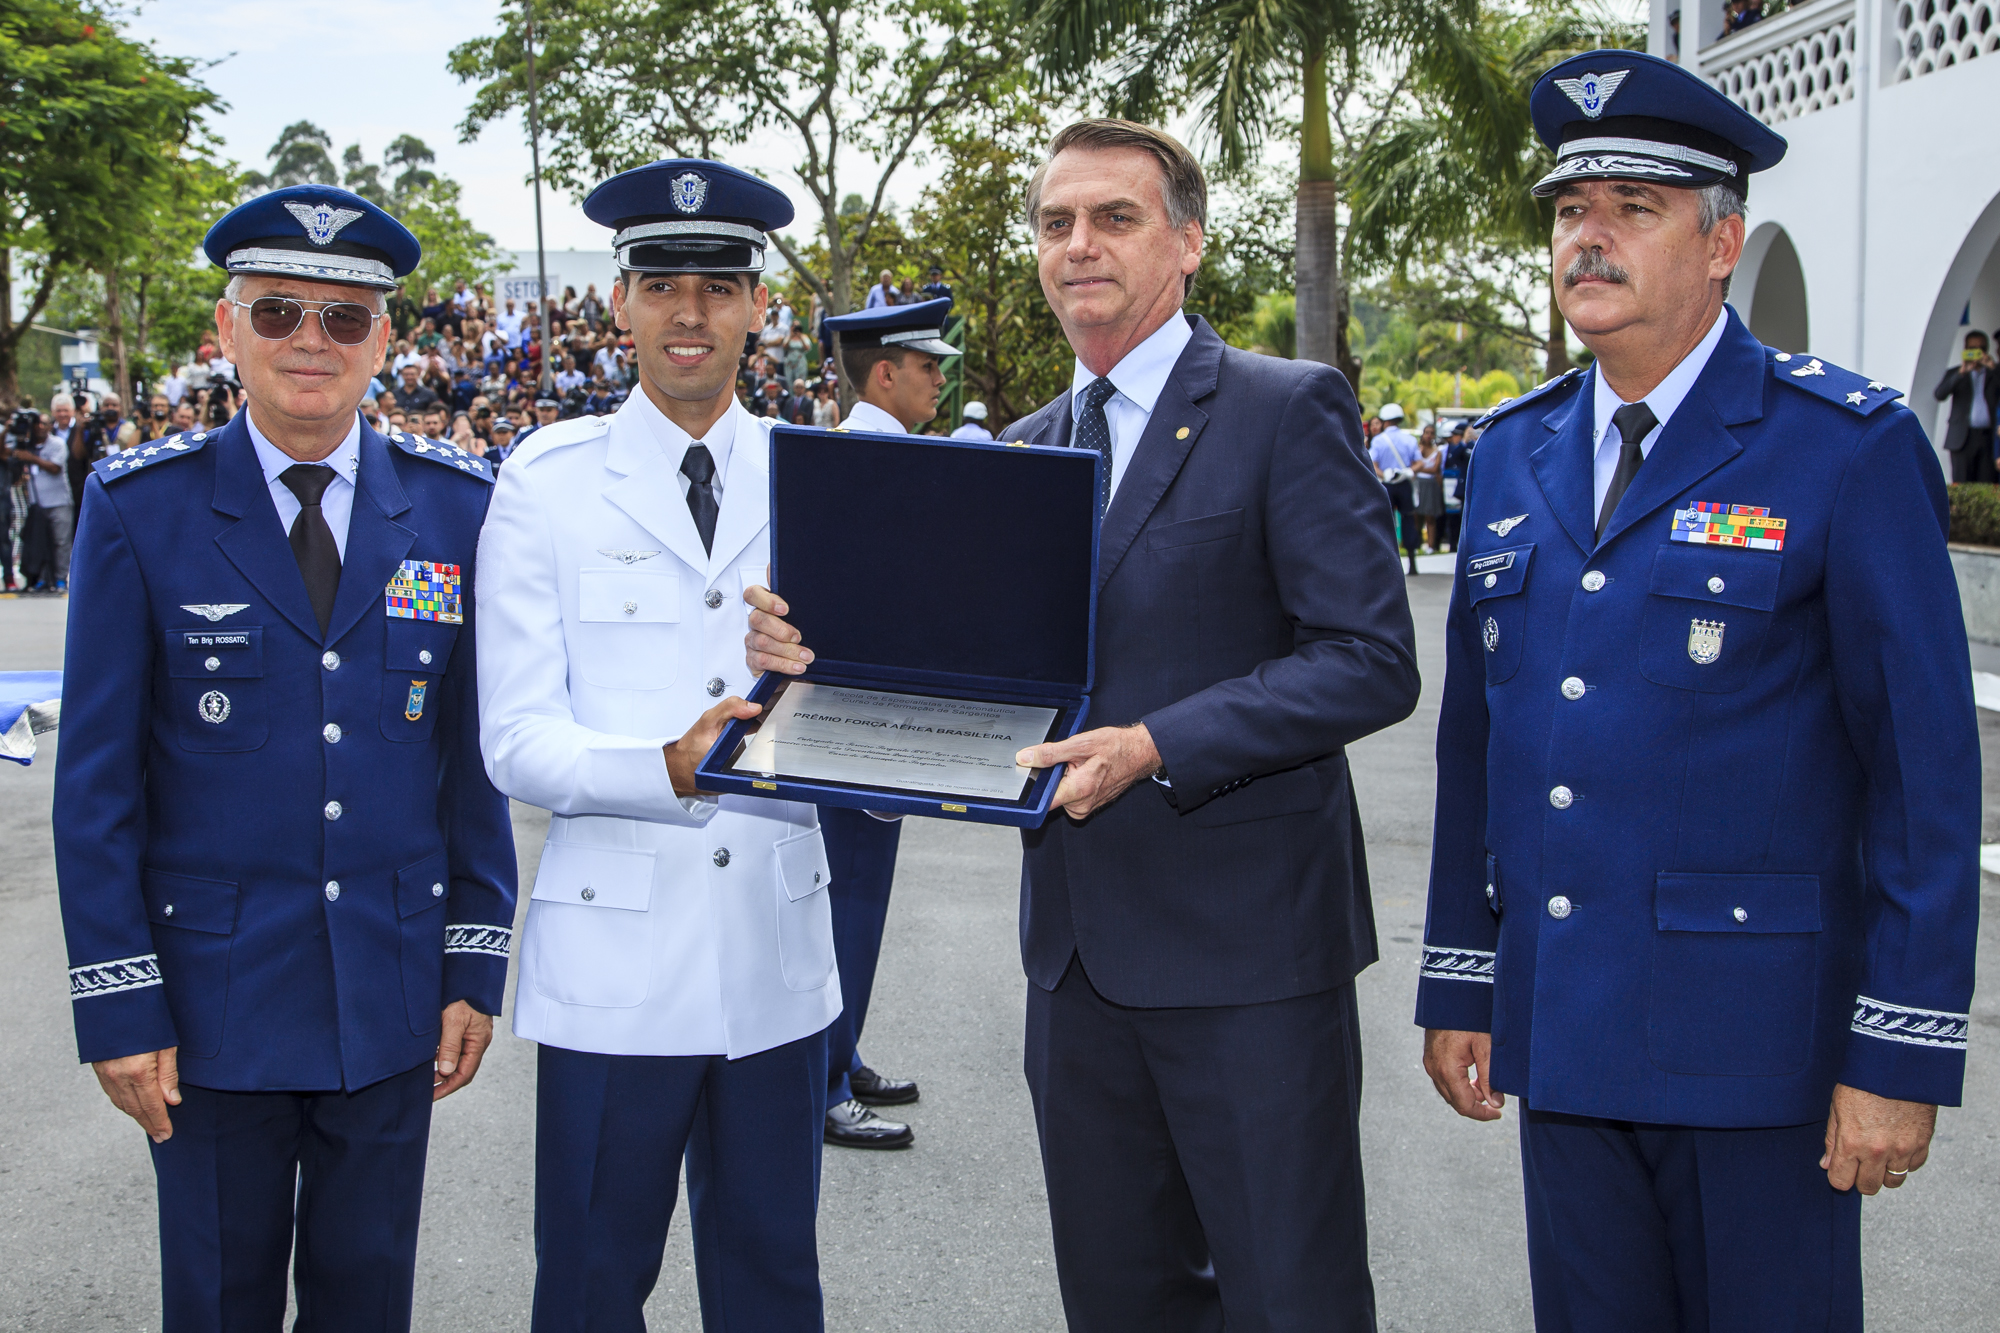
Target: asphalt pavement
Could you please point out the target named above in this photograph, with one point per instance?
(953, 1234)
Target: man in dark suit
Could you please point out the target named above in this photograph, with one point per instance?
(1192, 929)
(1973, 386)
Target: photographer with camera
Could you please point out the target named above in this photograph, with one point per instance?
(44, 448)
(94, 438)
(1974, 390)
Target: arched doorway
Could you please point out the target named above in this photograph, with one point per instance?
(1969, 298)
(1769, 290)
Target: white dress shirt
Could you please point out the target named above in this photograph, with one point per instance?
(1139, 377)
(336, 505)
(1665, 397)
(1982, 415)
(867, 416)
(674, 441)
(972, 430)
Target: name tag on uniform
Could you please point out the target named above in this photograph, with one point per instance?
(426, 590)
(197, 639)
(1750, 527)
(1487, 564)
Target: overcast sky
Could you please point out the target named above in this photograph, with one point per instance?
(366, 71)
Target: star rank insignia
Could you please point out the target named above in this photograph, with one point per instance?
(1857, 398)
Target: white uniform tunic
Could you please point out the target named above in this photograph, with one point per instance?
(657, 926)
(867, 416)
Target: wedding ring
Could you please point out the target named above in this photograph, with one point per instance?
(1899, 1173)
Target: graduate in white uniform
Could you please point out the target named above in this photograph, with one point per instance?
(677, 965)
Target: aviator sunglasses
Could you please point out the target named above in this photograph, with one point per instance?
(276, 317)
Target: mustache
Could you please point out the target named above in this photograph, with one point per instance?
(1593, 264)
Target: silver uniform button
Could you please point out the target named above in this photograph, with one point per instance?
(329, 660)
(712, 598)
(1558, 907)
(1573, 688)
(1489, 893)
(1492, 579)
(1715, 585)
(721, 857)
(332, 733)
(588, 893)
(425, 657)
(333, 809)
(715, 687)
(631, 608)
(168, 910)
(437, 890)
(1560, 798)
(1740, 915)
(333, 890)
(1593, 581)
(213, 663)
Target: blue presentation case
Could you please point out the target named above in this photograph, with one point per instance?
(918, 564)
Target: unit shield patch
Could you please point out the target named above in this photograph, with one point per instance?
(426, 590)
(414, 709)
(1705, 641)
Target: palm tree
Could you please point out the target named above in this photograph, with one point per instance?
(1459, 170)
(1240, 62)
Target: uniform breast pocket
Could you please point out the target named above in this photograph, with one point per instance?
(1708, 613)
(216, 683)
(415, 657)
(1735, 962)
(1499, 588)
(628, 628)
(590, 926)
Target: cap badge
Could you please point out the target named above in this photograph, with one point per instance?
(321, 221)
(690, 192)
(1592, 91)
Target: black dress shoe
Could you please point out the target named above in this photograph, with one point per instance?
(852, 1125)
(871, 1089)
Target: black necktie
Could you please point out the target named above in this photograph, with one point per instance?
(1094, 432)
(312, 540)
(1634, 421)
(699, 468)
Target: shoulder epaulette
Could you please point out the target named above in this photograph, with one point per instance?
(1542, 390)
(545, 439)
(125, 463)
(1856, 393)
(442, 452)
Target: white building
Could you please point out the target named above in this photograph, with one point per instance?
(1873, 244)
(519, 281)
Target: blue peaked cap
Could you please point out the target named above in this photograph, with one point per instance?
(919, 327)
(1625, 115)
(689, 215)
(317, 232)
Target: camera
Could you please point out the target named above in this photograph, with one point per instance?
(21, 429)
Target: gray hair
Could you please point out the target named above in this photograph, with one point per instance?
(1718, 201)
(1183, 188)
(234, 292)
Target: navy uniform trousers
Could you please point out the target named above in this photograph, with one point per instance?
(611, 1133)
(861, 853)
(245, 1171)
(1636, 1228)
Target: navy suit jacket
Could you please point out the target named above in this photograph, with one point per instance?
(1251, 612)
(223, 765)
(1707, 830)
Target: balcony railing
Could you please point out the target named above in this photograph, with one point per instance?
(1798, 62)
(1936, 34)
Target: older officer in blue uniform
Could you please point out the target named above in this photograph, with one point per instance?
(1706, 869)
(287, 885)
(677, 964)
(891, 356)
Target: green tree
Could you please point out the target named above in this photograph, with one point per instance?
(94, 132)
(1451, 176)
(1237, 63)
(453, 247)
(624, 82)
(303, 155)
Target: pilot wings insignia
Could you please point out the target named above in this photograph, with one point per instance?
(321, 221)
(629, 557)
(214, 611)
(1507, 525)
(1592, 91)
